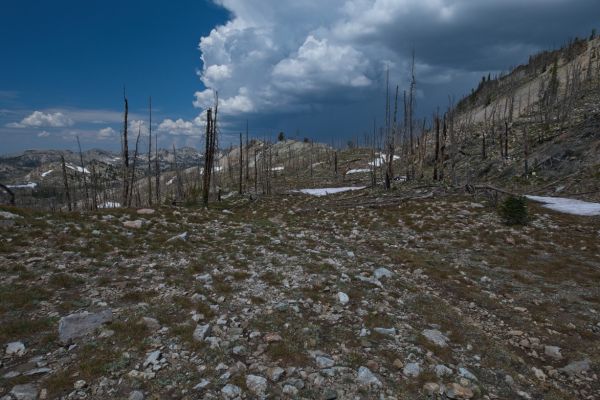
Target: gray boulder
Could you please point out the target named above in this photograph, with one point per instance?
(80, 324)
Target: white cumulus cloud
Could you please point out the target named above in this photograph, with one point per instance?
(40, 119)
(106, 133)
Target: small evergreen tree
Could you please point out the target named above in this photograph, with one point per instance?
(513, 211)
(281, 136)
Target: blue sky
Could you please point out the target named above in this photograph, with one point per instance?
(312, 67)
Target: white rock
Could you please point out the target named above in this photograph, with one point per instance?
(9, 215)
(382, 273)
(152, 358)
(146, 211)
(25, 392)
(137, 224)
(80, 384)
(553, 351)
(465, 373)
(412, 369)
(539, 373)
(343, 298)
(136, 395)
(324, 362)
(182, 236)
(275, 373)
(256, 384)
(290, 390)
(441, 370)
(15, 348)
(366, 378)
(201, 332)
(386, 331)
(230, 391)
(203, 383)
(436, 337)
(76, 325)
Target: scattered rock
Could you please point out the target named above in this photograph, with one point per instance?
(343, 298)
(553, 352)
(203, 383)
(9, 215)
(398, 364)
(137, 224)
(256, 384)
(436, 337)
(412, 370)
(576, 367)
(230, 391)
(136, 395)
(15, 348)
(456, 391)
(386, 331)
(441, 370)
(80, 384)
(431, 388)
(182, 236)
(539, 373)
(201, 332)
(77, 325)
(146, 211)
(324, 362)
(27, 391)
(366, 378)
(465, 373)
(380, 273)
(272, 337)
(275, 373)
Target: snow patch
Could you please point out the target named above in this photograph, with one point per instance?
(277, 169)
(568, 206)
(29, 185)
(358, 171)
(326, 191)
(78, 169)
(110, 204)
(45, 174)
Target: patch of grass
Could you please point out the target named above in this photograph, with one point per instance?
(63, 280)
(21, 297)
(19, 327)
(272, 278)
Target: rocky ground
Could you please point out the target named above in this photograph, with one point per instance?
(352, 296)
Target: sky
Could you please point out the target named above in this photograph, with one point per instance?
(308, 68)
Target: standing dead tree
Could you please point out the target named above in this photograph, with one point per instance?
(135, 156)
(10, 193)
(436, 155)
(241, 189)
(125, 154)
(156, 170)
(209, 153)
(66, 182)
(150, 152)
(85, 185)
(389, 175)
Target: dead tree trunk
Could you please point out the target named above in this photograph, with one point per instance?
(150, 153)
(437, 148)
(66, 182)
(156, 170)
(87, 195)
(208, 154)
(125, 193)
(241, 165)
(135, 155)
(11, 194)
